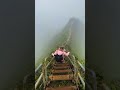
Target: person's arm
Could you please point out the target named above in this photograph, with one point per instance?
(54, 53)
(66, 53)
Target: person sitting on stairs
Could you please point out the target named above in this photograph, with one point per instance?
(59, 54)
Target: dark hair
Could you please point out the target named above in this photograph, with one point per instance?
(62, 48)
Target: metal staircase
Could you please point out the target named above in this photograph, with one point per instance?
(60, 76)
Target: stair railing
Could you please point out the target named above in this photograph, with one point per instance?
(77, 72)
(45, 66)
(75, 75)
(43, 75)
(82, 70)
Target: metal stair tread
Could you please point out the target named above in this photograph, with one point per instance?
(62, 71)
(62, 64)
(61, 67)
(61, 77)
(62, 88)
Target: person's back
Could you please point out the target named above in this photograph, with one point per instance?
(59, 54)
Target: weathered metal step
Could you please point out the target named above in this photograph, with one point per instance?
(61, 71)
(61, 64)
(62, 88)
(61, 67)
(61, 77)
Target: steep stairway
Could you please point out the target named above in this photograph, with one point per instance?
(61, 78)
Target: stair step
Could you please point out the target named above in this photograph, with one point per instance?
(61, 77)
(61, 71)
(61, 67)
(62, 64)
(62, 88)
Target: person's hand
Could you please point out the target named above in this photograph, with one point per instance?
(68, 52)
(52, 55)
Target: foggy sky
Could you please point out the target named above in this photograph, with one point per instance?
(51, 16)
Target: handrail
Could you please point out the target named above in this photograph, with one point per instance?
(49, 62)
(70, 60)
(40, 77)
(81, 80)
(38, 81)
(79, 64)
(38, 68)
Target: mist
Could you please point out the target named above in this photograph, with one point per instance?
(51, 16)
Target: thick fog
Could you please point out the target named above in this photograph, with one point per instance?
(50, 18)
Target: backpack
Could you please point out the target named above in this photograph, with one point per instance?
(58, 58)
